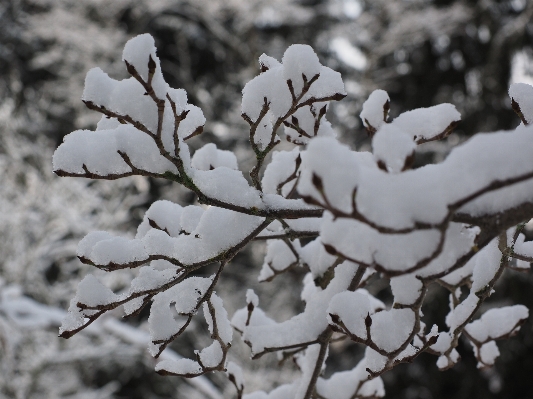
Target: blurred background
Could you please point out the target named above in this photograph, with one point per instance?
(422, 52)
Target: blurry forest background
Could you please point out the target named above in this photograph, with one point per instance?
(423, 52)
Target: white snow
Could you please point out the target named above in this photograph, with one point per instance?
(458, 242)
(190, 217)
(179, 367)
(406, 289)
(98, 151)
(498, 322)
(132, 306)
(92, 292)
(179, 96)
(522, 93)
(212, 355)
(205, 241)
(263, 133)
(304, 327)
(394, 223)
(487, 264)
(306, 122)
(137, 52)
(306, 363)
(236, 371)
(300, 60)
(279, 169)
(361, 243)
(316, 257)
(268, 62)
(272, 85)
(373, 113)
(421, 195)
(227, 185)
(343, 384)
(462, 312)
(104, 250)
(391, 328)
(392, 146)
(488, 353)
(278, 258)
(251, 297)
(427, 123)
(184, 297)
(165, 214)
(352, 309)
(221, 317)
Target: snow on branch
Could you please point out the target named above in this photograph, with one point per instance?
(342, 215)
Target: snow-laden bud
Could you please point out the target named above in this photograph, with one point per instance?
(522, 101)
(394, 150)
(375, 111)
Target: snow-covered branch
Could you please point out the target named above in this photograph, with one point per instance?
(369, 215)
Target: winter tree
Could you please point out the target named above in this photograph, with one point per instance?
(349, 218)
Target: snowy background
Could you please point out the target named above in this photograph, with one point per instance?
(421, 52)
